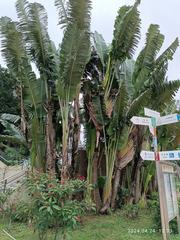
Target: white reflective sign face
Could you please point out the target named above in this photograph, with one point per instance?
(163, 156)
(141, 121)
(151, 113)
(170, 155)
(168, 119)
(147, 155)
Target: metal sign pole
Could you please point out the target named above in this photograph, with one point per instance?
(163, 208)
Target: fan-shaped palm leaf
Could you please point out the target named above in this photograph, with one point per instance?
(62, 8)
(145, 60)
(75, 48)
(101, 47)
(126, 33)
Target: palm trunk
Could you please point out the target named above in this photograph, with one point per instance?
(81, 164)
(110, 162)
(121, 162)
(95, 193)
(38, 148)
(137, 185)
(50, 142)
(64, 106)
(23, 118)
(76, 134)
(135, 178)
(138, 140)
(115, 187)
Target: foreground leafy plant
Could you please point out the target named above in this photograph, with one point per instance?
(56, 204)
(132, 211)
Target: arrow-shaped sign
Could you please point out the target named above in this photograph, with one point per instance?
(141, 120)
(164, 155)
(168, 119)
(147, 155)
(151, 113)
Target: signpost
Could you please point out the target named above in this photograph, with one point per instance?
(168, 119)
(168, 205)
(163, 156)
(151, 113)
(141, 121)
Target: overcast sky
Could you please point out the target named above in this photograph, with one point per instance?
(162, 12)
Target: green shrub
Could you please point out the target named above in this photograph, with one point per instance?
(21, 212)
(153, 202)
(56, 204)
(132, 211)
(15, 155)
(3, 199)
(122, 196)
(53, 204)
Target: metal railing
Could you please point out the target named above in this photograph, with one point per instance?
(13, 180)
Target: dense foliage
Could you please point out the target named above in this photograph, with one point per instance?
(9, 102)
(75, 116)
(50, 204)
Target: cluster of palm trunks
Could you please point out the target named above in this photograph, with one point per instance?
(87, 84)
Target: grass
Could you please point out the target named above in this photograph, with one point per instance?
(112, 227)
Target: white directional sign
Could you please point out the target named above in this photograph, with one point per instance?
(147, 155)
(170, 155)
(168, 119)
(163, 156)
(151, 113)
(141, 120)
(172, 118)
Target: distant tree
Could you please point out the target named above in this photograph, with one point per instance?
(8, 98)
